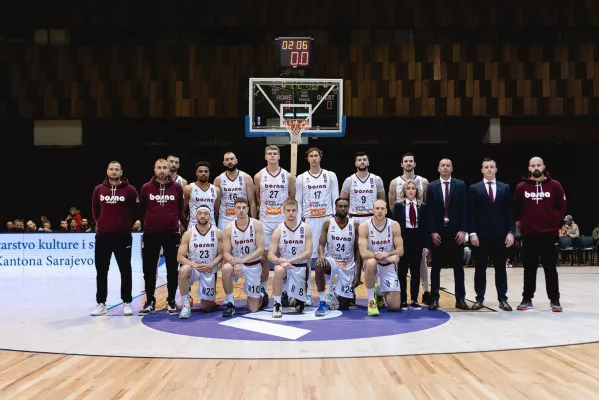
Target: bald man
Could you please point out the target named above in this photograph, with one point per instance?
(446, 200)
(540, 206)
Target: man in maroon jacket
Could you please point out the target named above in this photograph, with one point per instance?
(540, 206)
(114, 208)
(161, 204)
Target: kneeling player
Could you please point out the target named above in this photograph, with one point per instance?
(338, 254)
(290, 251)
(243, 245)
(381, 246)
(200, 252)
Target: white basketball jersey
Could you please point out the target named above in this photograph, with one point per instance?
(274, 190)
(293, 242)
(340, 242)
(243, 243)
(316, 193)
(400, 182)
(362, 195)
(230, 190)
(200, 197)
(179, 180)
(380, 240)
(203, 248)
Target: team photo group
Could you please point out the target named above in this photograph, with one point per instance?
(243, 224)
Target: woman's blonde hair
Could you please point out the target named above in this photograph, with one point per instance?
(402, 195)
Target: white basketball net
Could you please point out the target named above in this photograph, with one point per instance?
(296, 127)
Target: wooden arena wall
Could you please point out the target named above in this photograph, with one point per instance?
(398, 58)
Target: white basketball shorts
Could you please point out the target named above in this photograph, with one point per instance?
(269, 227)
(388, 276)
(252, 274)
(207, 287)
(345, 277)
(315, 225)
(296, 283)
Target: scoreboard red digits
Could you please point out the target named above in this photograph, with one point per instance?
(294, 52)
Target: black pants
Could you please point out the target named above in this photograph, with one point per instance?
(411, 259)
(532, 248)
(169, 242)
(496, 250)
(448, 252)
(120, 245)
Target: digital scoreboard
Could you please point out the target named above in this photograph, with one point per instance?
(294, 52)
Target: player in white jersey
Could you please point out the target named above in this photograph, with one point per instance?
(338, 254)
(243, 245)
(362, 189)
(408, 163)
(315, 190)
(233, 183)
(201, 192)
(381, 246)
(290, 251)
(200, 252)
(173, 166)
(273, 186)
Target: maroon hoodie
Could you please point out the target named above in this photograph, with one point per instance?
(114, 208)
(161, 206)
(539, 206)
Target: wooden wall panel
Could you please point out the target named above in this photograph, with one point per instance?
(380, 80)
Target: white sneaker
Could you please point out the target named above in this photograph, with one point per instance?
(127, 310)
(99, 310)
(332, 302)
(308, 300)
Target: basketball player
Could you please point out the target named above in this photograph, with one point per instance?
(381, 246)
(173, 166)
(199, 254)
(273, 186)
(362, 189)
(161, 205)
(290, 251)
(243, 248)
(338, 254)
(201, 192)
(233, 183)
(315, 191)
(408, 164)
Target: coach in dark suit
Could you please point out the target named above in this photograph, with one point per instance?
(446, 199)
(491, 231)
(414, 219)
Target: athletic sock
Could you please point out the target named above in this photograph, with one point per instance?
(323, 297)
(278, 299)
(186, 301)
(264, 285)
(370, 293)
(230, 299)
(378, 290)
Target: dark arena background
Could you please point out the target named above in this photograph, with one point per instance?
(83, 83)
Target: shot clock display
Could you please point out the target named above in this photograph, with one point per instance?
(294, 52)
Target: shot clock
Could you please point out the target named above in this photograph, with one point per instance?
(294, 52)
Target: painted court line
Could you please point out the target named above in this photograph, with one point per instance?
(266, 328)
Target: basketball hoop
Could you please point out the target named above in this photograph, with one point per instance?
(296, 127)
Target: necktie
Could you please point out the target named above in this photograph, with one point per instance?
(491, 199)
(412, 215)
(446, 199)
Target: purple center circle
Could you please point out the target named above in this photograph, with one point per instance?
(352, 324)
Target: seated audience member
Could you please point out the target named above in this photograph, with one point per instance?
(570, 228)
(74, 214)
(9, 226)
(64, 226)
(46, 228)
(596, 235)
(85, 226)
(18, 226)
(31, 226)
(73, 227)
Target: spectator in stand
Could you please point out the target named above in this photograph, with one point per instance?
(596, 235)
(64, 226)
(31, 226)
(43, 220)
(570, 228)
(73, 226)
(74, 214)
(85, 226)
(9, 226)
(47, 227)
(18, 226)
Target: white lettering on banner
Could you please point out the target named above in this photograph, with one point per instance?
(54, 249)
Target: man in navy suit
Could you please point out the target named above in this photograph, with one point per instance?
(446, 198)
(491, 231)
